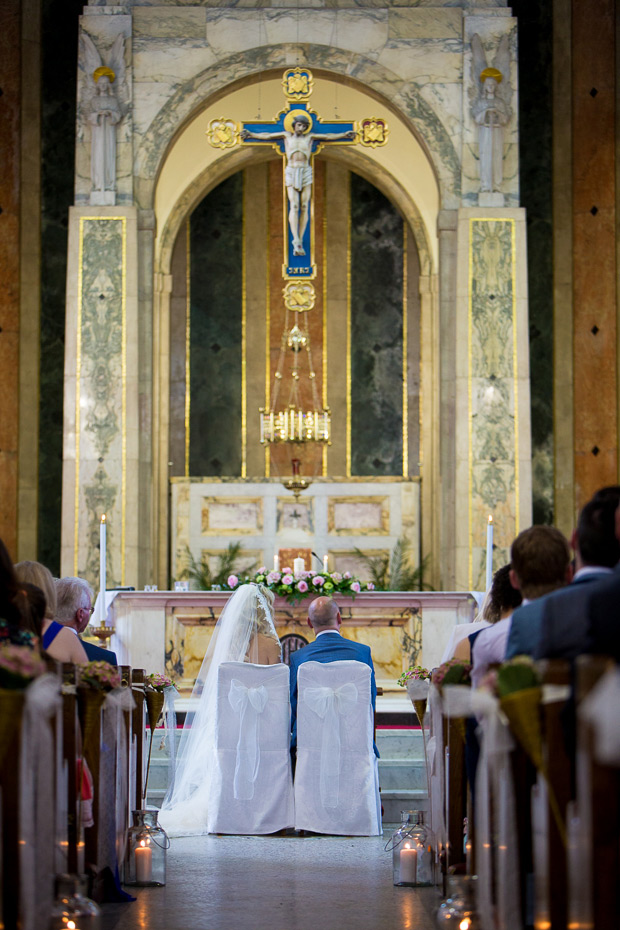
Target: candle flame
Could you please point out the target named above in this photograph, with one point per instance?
(70, 925)
(490, 518)
(465, 924)
(103, 518)
(142, 842)
(407, 846)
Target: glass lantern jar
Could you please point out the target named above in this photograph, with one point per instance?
(458, 912)
(147, 842)
(412, 851)
(71, 909)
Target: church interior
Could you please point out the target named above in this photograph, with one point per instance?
(329, 281)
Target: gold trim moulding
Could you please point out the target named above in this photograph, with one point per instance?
(328, 479)
(381, 530)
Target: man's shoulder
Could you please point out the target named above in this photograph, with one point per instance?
(98, 654)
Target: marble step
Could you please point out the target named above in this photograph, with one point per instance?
(401, 773)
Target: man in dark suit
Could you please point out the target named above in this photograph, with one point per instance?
(74, 598)
(563, 626)
(329, 646)
(603, 610)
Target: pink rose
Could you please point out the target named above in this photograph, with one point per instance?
(302, 586)
(347, 575)
(273, 577)
(232, 581)
(287, 571)
(287, 579)
(370, 586)
(337, 577)
(311, 573)
(262, 570)
(356, 587)
(318, 581)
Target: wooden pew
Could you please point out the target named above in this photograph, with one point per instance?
(71, 754)
(139, 730)
(456, 789)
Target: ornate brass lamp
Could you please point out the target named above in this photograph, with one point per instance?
(293, 423)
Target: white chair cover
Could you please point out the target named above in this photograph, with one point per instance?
(337, 777)
(252, 788)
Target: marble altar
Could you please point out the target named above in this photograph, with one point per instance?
(170, 630)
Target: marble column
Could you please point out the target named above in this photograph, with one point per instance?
(493, 468)
(101, 467)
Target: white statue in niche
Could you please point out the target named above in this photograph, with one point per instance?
(101, 107)
(491, 110)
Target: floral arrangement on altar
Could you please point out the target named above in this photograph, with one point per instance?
(99, 676)
(295, 587)
(452, 672)
(19, 665)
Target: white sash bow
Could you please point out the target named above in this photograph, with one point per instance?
(330, 704)
(249, 703)
(493, 777)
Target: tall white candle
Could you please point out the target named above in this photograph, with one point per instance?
(325, 563)
(408, 862)
(102, 568)
(489, 573)
(276, 563)
(299, 566)
(144, 863)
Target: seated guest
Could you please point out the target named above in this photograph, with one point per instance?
(35, 605)
(502, 600)
(560, 631)
(60, 644)
(14, 622)
(74, 598)
(540, 560)
(602, 609)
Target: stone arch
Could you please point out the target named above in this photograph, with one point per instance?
(255, 65)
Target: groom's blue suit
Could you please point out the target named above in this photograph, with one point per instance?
(328, 647)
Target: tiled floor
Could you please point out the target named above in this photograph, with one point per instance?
(277, 883)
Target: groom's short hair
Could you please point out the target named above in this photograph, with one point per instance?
(322, 612)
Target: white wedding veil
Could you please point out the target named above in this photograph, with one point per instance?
(246, 618)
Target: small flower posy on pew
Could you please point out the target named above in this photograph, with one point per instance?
(99, 676)
(414, 673)
(19, 665)
(452, 672)
(416, 679)
(155, 681)
(295, 587)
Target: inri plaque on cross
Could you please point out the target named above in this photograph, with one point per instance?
(298, 134)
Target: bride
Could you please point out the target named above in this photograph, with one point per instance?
(245, 632)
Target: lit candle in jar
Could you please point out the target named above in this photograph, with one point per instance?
(144, 862)
(408, 864)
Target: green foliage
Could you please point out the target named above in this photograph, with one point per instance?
(200, 574)
(393, 572)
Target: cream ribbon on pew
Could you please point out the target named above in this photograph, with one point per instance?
(36, 802)
(113, 788)
(330, 704)
(249, 703)
(493, 780)
(600, 709)
(435, 763)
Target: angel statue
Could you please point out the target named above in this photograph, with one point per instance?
(491, 110)
(104, 111)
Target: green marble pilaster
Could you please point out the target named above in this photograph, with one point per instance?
(100, 456)
(493, 470)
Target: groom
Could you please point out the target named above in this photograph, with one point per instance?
(328, 646)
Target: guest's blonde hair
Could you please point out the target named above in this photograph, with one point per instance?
(37, 574)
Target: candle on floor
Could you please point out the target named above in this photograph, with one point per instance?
(325, 563)
(299, 566)
(144, 862)
(408, 864)
(102, 568)
(489, 573)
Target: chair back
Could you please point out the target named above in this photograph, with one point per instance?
(252, 782)
(336, 778)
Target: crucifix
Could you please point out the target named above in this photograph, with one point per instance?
(298, 134)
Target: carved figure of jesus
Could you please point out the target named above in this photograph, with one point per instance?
(298, 146)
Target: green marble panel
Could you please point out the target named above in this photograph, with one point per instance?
(58, 94)
(216, 230)
(535, 23)
(376, 332)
